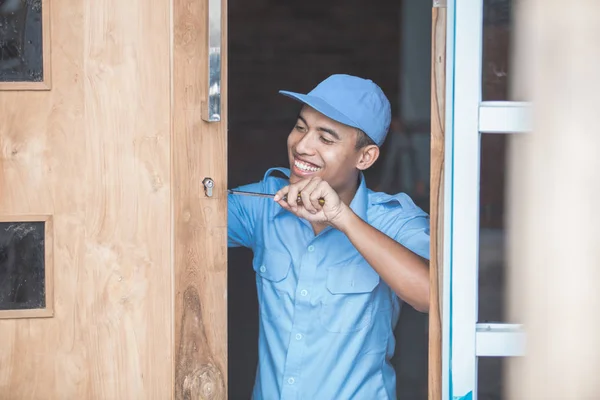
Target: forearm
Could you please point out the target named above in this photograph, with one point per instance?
(406, 273)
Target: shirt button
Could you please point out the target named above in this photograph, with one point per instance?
(291, 381)
(298, 336)
(263, 268)
(311, 248)
(304, 292)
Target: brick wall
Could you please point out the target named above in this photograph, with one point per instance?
(276, 45)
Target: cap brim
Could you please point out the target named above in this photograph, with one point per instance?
(321, 106)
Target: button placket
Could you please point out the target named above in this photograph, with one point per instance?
(295, 354)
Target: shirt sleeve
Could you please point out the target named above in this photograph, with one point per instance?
(242, 214)
(402, 220)
(414, 235)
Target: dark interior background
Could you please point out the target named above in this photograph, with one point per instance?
(276, 45)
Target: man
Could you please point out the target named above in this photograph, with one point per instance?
(332, 268)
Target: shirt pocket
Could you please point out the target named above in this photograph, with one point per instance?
(272, 270)
(348, 302)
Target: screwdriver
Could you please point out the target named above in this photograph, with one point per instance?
(256, 194)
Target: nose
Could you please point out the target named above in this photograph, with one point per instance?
(305, 144)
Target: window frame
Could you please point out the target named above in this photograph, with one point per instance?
(467, 117)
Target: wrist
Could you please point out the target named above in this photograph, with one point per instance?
(344, 219)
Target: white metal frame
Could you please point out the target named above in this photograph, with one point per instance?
(504, 117)
(499, 340)
(464, 340)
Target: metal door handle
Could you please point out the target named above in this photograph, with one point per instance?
(211, 107)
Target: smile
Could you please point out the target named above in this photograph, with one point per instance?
(305, 167)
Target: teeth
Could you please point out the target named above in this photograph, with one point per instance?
(305, 167)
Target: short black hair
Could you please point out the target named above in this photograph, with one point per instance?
(362, 140)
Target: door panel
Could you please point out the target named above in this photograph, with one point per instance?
(200, 222)
(94, 154)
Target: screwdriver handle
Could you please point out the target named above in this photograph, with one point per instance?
(299, 200)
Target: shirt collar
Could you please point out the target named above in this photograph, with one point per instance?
(359, 203)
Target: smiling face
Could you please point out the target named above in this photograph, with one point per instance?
(320, 146)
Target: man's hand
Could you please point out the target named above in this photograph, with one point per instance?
(311, 190)
(404, 271)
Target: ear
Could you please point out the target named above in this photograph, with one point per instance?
(368, 155)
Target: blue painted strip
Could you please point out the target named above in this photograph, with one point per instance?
(468, 396)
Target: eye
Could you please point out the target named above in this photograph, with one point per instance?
(300, 128)
(326, 141)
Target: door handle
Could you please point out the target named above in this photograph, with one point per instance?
(211, 107)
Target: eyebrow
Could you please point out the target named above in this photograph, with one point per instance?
(323, 129)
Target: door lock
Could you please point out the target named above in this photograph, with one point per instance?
(208, 186)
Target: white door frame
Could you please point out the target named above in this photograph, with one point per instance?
(467, 116)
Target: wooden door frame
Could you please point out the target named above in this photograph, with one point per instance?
(438, 116)
(200, 223)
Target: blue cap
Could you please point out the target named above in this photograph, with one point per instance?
(352, 101)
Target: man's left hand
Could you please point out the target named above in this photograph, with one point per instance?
(311, 190)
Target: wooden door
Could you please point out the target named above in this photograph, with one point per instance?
(102, 158)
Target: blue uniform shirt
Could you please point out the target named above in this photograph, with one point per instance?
(326, 317)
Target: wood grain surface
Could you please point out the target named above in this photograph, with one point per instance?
(94, 153)
(200, 222)
(438, 115)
